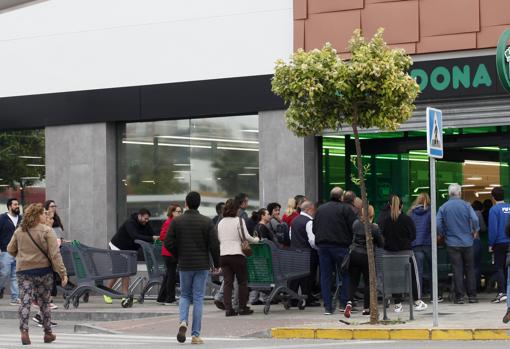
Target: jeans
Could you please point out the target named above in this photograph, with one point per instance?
(501, 275)
(192, 289)
(330, 260)
(8, 272)
(423, 256)
(462, 262)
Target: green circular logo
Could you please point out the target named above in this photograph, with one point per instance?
(503, 60)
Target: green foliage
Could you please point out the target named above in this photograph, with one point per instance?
(323, 91)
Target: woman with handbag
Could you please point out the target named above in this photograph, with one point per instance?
(37, 255)
(234, 239)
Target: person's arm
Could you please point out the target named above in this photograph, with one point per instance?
(134, 233)
(493, 227)
(12, 247)
(214, 244)
(440, 223)
(248, 237)
(171, 241)
(376, 234)
(309, 233)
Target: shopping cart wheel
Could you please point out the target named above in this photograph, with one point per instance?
(76, 302)
(266, 308)
(86, 297)
(141, 299)
(286, 305)
(302, 304)
(127, 303)
(66, 304)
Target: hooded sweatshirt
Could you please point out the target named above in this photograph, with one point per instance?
(421, 218)
(499, 215)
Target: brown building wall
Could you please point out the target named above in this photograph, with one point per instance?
(418, 26)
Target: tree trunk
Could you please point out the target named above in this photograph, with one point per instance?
(374, 316)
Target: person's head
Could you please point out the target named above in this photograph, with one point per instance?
(242, 200)
(274, 209)
(454, 190)
(231, 208)
(299, 199)
(50, 218)
(487, 204)
(396, 207)
(34, 215)
(371, 213)
(308, 207)
(358, 203)
(498, 194)
(143, 216)
(13, 206)
(477, 205)
(174, 210)
(349, 197)
(264, 216)
(291, 206)
(219, 208)
(49, 205)
(336, 194)
(423, 199)
(193, 200)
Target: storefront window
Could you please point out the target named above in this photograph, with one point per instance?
(160, 162)
(22, 169)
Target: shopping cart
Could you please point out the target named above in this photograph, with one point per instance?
(155, 266)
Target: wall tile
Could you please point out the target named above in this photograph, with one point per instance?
(321, 6)
(409, 48)
(447, 43)
(494, 12)
(299, 34)
(379, 1)
(440, 17)
(300, 9)
(334, 27)
(489, 36)
(399, 19)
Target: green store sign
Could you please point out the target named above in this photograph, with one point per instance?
(503, 60)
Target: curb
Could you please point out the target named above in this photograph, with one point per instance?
(390, 334)
(92, 329)
(87, 315)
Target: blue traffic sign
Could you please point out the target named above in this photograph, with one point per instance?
(434, 133)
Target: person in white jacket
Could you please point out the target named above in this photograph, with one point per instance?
(231, 232)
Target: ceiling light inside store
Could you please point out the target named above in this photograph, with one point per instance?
(481, 163)
(478, 193)
(29, 157)
(35, 165)
(182, 165)
(468, 185)
(232, 148)
(29, 177)
(250, 131)
(184, 145)
(4, 185)
(138, 142)
(474, 178)
(488, 188)
(247, 174)
(494, 185)
(210, 139)
(150, 182)
(251, 168)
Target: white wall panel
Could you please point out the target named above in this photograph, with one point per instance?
(67, 45)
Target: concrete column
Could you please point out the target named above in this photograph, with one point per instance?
(81, 178)
(288, 165)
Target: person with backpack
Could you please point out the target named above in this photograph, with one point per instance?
(279, 228)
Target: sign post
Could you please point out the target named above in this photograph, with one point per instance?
(434, 150)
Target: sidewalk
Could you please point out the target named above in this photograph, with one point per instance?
(468, 321)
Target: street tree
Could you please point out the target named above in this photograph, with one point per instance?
(371, 89)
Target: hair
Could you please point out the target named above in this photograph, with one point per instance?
(477, 205)
(261, 213)
(454, 190)
(231, 208)
(272, 206)
(31, 216)
(50, 215)
(306, 205)
(396, 206)
(349, 197)
(193, 200)
(144, 211)
(487, 204)
(423, 199)
(9, 202)
(219, 208)
(299, 200)
(371, 213)
(336, 194)
(171, 209)
(291, 206)
(240, 198)
(255, 216)
(498, 193)
(358, 203)
(57, 222)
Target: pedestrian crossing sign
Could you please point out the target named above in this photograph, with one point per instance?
(434, 133)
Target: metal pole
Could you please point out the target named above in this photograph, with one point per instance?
(434, 239)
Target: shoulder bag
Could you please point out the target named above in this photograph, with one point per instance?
(245, 244)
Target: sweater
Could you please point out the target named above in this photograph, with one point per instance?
(399, 235)
(288, 219)
(421, 219)
(29, 257)
(499, 216)
(7, 229)
(191, 238)
(332, 224)
(162, 236)
(229, 235)
(130, 231)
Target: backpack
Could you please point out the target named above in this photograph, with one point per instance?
(282, 233)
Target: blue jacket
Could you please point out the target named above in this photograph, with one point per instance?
(499, 215)
(421, 219)
(7, 229)
(456, 221)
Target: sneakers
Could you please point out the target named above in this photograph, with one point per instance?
(458, 301)
(15, 302)
(108, 300)
(347, 310)
(501, 297)
(472, 300)
(328, 312)
(53, 306)
(181, 335)
(219, 305)
(38, 320)
(440, 299)
(398, 308)
(506, 318)
(245, 311)
(420, 305)
(366, 312)
(231, 312)
(196, 340)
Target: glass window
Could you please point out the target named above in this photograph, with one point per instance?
(160, 162)
(22, 169)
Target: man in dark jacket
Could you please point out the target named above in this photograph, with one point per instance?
(136, 227)
(332, 227)
(193, 240)
(9, 221)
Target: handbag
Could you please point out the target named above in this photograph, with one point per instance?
(245, 244)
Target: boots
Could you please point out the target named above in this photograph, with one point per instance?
(25, 339)
(49, 337)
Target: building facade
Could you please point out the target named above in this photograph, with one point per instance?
(138, 103)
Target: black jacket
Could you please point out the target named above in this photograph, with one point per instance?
(399, 235)
(332, 224)
(7, 229)
(192, 238)
(130, 231)
(360, 240)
